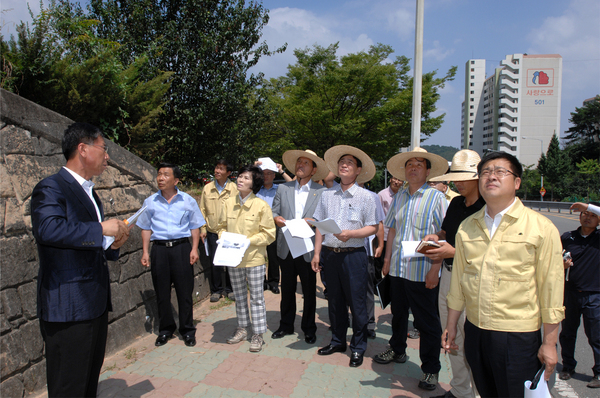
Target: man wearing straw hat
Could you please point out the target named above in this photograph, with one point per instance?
(343, 256)
(293, 200)
(464, 174)
(416, 211)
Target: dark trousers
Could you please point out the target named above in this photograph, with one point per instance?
(371, 294)
(74, 356)
(501, 361)
(291, 268)
(219, 277)
(576, 305)
(347, 279)
(272, 276)
(171, 265)
(406, 294)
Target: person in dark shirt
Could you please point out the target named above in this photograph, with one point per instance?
(582, 293)
(464, 174)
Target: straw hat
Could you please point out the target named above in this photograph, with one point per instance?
(333, 155)
(395, 165)
(464, 167)
(291, 157)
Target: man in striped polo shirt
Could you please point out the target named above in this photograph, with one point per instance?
(417, 210)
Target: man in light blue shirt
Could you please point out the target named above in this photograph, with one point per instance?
(267, 193)
(171, 217)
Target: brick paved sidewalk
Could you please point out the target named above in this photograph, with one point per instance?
(286, 367)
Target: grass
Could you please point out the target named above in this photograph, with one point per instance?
(223, 303)
(130, 353)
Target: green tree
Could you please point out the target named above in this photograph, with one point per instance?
(63, 65)
(358, 99)
(583, 138)
(214, 108)
(590, 170)
(553, 165)
(530, 183)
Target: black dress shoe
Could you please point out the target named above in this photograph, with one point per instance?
(356, 359)
(275, 290)
(190, 340)
(310, 338)
(330, 349)
(371, 334)
(280, 333)
(162, 339)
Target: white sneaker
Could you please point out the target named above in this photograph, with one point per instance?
(256, 343)
(239, 335)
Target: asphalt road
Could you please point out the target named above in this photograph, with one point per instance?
(583, 353)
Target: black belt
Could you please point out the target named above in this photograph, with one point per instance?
(447, 266)
(342, 249)
(170, 243)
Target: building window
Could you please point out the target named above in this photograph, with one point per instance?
(472, 69)
(472, 62)
(472, 92)
(472, 99)
(472, 76)
(471, 106)
(471, 114)
(472, 84)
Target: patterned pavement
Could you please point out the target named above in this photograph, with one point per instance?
(287, 367)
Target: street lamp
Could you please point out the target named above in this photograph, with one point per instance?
(542, 152)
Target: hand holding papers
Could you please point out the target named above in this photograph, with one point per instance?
(410, 248)
(298, 236)
(268, 164)
(327, 226)
(231, 249)
(130, 221)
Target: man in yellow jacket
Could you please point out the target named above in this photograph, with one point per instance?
(508, 273)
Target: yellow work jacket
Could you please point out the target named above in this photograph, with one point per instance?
(512, 282)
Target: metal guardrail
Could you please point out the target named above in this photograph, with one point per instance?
(548, 205)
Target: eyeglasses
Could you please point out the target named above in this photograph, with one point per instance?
(103, 147)
(499, 172)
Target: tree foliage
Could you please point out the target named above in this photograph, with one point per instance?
(358, 99)
(62, 64)
(552, 165)
(212, 110)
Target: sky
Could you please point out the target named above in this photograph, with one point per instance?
(454, 32)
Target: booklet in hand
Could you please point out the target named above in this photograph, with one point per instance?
(426, 246)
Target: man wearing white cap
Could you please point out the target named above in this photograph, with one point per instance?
(343, 255)
(416, 211)
(294, 200)
(464, 174)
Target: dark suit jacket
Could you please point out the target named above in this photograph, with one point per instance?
(284, 205)
(73, 280)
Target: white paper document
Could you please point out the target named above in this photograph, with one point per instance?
(131, 220)
(327, 226)
(298, 246)
(299, 228)
(231, 249)
(268, 164)
(542, 389)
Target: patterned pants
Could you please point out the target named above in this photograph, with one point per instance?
(242, 280)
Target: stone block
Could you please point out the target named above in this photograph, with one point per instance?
(119, 297)
(12, 387)
(34, 378)
(26, 171)
(28, 295)
(16, 140)
(146, 287)
(11, 303)
(126, 201)
(114, 271)
(17, 261)
(131, 266)
(14, 222)
(49, 148)
(111, 178)
(4, 324)
(32, 340)
(134, 243)
(6, 188)
(124, 330)
(12, 353)
(2, 212)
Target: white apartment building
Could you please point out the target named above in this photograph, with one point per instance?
(516, 110)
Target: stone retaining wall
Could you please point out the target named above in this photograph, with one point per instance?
(30, 150)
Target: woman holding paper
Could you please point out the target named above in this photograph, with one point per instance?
(247, 215)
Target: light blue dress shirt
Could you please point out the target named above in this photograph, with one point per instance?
(268, 194)
(169, 221)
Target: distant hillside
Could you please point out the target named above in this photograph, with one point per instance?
(444, 151)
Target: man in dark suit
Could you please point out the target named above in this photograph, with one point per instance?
(294, 200)
(73, 292)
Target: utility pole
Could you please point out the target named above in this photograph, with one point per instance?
(418, 78)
